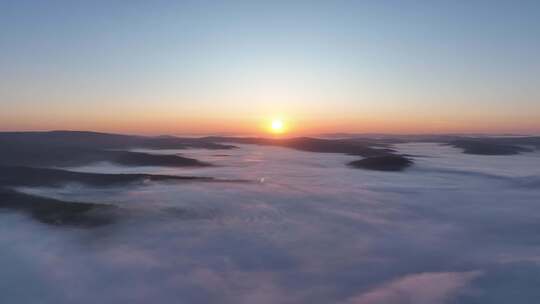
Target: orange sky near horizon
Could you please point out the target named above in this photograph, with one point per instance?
(176, 124)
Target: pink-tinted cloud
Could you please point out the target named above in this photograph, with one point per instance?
(422, 288)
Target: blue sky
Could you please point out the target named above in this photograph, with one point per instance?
(205, 66)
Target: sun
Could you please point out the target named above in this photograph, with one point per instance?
(277, 126)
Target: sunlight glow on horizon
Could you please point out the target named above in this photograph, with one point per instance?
(199, 68)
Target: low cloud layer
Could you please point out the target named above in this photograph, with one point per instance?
(453, 228)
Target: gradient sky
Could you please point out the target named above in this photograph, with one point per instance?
(230, 66)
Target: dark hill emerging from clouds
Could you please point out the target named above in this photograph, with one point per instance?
(360, 147)
(47, 156)
(26, 159)
(470, 144)
(26, 176)
(65, 213)
(65, 148)
(377, 154)
(75, 148)
(383, 163)
(56, 212)
(497, 146)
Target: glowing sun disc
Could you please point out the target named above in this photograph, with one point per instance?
(277, 126)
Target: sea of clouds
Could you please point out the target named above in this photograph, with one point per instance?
(453, 228)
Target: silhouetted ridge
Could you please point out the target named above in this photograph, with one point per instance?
(70, 148)
(144, 159)
(94, 140)
(40, 156)
(56, 212)
(379, 156)
(346, 146)
(25, 176)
